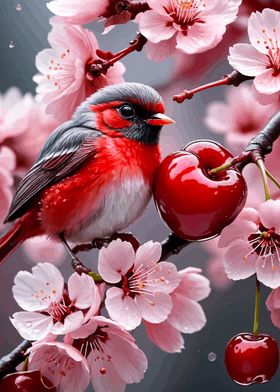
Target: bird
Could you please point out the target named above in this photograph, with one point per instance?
(94, 175)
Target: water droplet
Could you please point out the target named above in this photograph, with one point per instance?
(212, 357)
(18, 7)
(28, 324)
(11, 44)
(103, 370)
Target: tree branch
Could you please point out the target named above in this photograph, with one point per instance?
(233, 79)
(9, 362)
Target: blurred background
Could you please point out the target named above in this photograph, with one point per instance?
(24, 26)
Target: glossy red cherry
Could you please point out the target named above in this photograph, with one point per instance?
(194, 204)
(251, 359)
(29, 381)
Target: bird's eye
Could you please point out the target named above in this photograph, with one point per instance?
(126, 111)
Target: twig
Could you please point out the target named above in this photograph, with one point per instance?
(233, 79)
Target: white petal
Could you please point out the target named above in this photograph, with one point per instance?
(31, 325)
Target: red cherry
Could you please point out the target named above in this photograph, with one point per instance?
(29, 381)
(192, 203)
(251, 359)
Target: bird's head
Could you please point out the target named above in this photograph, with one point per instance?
(131, 110)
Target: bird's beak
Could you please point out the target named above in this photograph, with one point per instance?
(159, 119)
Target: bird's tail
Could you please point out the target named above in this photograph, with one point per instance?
(20, 231)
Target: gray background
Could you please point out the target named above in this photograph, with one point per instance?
(229, 312)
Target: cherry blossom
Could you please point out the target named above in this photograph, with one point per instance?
(261, 58)
(273, 305)
(113, 11)
(114, 359)
(142, 285)
(61, 364)
(253, 244)
(189, 25)
(7, 167)
(65, 79)
(42, 249)
(244, 116)
(47, 307)
(24, 127)
(187, 316)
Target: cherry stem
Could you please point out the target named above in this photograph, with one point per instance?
(108, 59)
(261, 166)
(233, 79)
(257, 308)
(272, 178)
(243, 157)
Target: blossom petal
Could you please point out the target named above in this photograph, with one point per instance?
(156, 308)
(122, 308)
(166, 337)
(275, 317)
(104, 377)
(115, 260)
(240, 229)
(187, 315)
(156, 27)
(147, 254)
(247, 60)
(267, 273)
(235, 266)
(129, 361)
(273, 300)
(269, 214)
(193, 285)
(71, 322)
(31, 325)
(83, 291)
(267, 82)
(34, 291)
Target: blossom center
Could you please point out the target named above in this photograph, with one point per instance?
(266, 244)
(59, 311)
(273, 50)
(185, 12)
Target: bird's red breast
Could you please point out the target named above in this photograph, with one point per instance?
(69, 204)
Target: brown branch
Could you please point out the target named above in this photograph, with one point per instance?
(108, 59)
(9, 362)
(233, 79)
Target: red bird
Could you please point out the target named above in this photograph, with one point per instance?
(94, 175)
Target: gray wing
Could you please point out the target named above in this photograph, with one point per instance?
(65, 151)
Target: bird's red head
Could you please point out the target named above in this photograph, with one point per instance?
(130, 110)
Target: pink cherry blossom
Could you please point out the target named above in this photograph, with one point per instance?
(273, 305)
(189, 25)
(24, 127)
(143, 285)
(47, 307)
(61, 364)
(42, 249)
(239, 118)
(187, 315)
(253, 244)
(64, 80)
(114, 359)
(215, 265)
(7, 167)
(261, 58)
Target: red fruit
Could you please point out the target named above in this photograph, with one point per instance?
(25, 382)
(251, 359)
(194, 204)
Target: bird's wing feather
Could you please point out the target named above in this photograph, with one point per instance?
(64, 152)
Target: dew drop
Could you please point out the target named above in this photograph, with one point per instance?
(28, 324)
(18, 7)
(11, 44)
(103, 370)
(212, 357)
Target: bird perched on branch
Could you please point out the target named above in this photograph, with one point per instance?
(94, 175)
